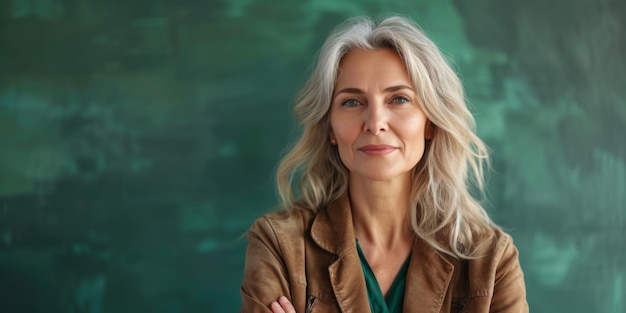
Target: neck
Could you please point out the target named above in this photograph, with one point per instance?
(380, 211)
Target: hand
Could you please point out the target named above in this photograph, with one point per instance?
(282, 306)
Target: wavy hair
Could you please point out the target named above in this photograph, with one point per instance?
(443, 211)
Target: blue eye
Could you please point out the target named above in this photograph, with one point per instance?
(351, 103)
(400, 100)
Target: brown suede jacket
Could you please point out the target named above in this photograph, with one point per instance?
(311, 258)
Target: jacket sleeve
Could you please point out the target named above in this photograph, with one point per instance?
(509, 294)
(265, 275)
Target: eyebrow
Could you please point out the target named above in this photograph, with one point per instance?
(359, 91)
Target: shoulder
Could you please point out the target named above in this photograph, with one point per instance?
(500, 238)
(284, 223)
(498, 245)
(506, 258)
(498, 257)
(506, 284)
(503, 243)
(498, 265)
(275, 259)
(498, 275)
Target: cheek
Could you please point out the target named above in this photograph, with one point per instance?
(414, 128)
(345, 136)
(345, 142)
(414, 133)
(344, 131)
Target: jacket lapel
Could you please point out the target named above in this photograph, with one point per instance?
(332, 230)
(428, 278)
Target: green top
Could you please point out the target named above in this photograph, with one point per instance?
(392, 303)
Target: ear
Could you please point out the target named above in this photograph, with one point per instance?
(333, 139)
(429, 130)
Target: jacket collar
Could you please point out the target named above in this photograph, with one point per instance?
(428, 276)
(332, 229)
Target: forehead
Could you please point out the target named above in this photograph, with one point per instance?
(366, 64)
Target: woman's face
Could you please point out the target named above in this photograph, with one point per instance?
(376, 121)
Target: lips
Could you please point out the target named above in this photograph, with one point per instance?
(377, 150)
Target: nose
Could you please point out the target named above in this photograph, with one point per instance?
(376, 119)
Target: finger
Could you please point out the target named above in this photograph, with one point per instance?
(286, 305)
(276, 308)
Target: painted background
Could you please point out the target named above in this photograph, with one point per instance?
(138, 141)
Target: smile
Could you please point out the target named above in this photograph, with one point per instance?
(377, 150)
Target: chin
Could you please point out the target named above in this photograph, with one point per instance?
(384, 176)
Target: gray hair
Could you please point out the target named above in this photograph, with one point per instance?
(443, 212)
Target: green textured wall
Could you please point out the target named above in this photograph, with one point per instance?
(138, 141)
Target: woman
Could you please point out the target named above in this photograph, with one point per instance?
(385, 221)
